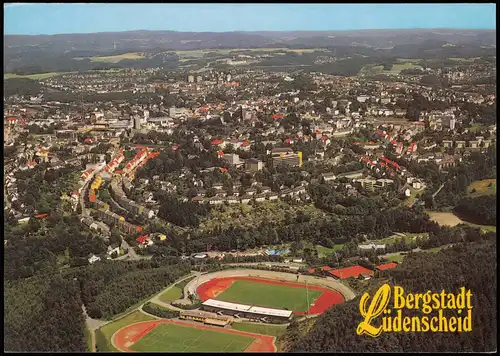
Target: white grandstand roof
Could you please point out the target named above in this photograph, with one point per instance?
(247, 308)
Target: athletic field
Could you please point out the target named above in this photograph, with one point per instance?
(177, 336)
(270, 294)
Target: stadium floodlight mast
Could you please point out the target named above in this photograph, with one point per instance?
(307, 297)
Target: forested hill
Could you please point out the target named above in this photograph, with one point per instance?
(472, 265)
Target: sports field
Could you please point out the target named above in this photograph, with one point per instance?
(270, 294)
(482, 187)
(177, 336)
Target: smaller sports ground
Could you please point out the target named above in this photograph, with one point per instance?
(270, 293)
(177, 336)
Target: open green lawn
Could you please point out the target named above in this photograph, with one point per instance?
(269, 295)
(175, 292)
(476, 128)
(104, 334)
(464, 59)
(406, 60)
(88, 339)
(264, 329)
(116, 59)
(200, 53)
(325, 251)
(436, 249)
(396, 258)
(484, 228)
(396, 68)
(176, 338)
(482, 187)
(37, 76)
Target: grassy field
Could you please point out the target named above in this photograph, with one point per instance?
(481, 187)
(464, 59)
(450, 219)
(175, 292)
(396, 68)
(476, 128)
(264, 329)
(116, 59)
(436, 249)
(38, 76)
(88, 339)
(202, 52)
(269, 295)
(325, 251)
(104, 334)
(396, 258)
(176, 338)
(410, 60)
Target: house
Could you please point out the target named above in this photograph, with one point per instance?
(447, 143)
(351, 272)
(233, 159)
(327, 177)
(459, 144)
(144, 241)
(93, 258)
(372, 247)
(253, 164)
(113, 248)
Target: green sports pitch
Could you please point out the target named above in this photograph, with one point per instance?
(176, 338)
(269, 295)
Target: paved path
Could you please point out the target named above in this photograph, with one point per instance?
(439, 189)
(92, 325)
(418, 249)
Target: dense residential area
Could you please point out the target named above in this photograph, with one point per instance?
(122, 179)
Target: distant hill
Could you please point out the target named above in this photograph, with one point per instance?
(27, 51)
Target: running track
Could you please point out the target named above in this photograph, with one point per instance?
(212, 288)
(130, 334)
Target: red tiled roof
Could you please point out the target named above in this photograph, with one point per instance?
(216, 142)
(348, 272)
(385, 266)
(141, 239)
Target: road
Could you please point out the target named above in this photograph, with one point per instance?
(439, 189)
(92, 325)
(418, 249)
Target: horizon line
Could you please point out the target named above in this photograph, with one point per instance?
(244, 31)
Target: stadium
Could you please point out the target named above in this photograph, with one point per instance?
(266, 295)
(228, 298)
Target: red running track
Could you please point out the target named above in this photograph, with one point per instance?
(212, 288)
(130, 334)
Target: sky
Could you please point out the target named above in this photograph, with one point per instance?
(54, 18)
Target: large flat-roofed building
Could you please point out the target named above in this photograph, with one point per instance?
(291, 159)
(246, 311)
(253, 164)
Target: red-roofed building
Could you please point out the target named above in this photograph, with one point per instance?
(385, 266)
(348, 272)
(278, 116)
(217, 142)
(144, 240)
